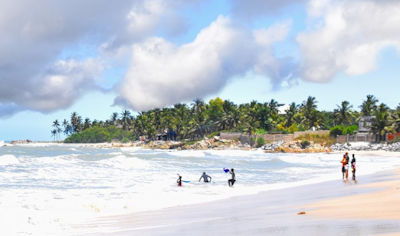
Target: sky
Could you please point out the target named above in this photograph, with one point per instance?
(96, 57)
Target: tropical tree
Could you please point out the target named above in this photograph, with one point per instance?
(86, 124)
(57, 128)
(342, 114)
(54, 134)
(290, 113)
(76, 122)
(114, 118)
(381, 121)
(309, 111)
(125, 119)
(368, 107)
(67, 127)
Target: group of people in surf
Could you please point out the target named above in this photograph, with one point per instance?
(207, 179)
(346, 164)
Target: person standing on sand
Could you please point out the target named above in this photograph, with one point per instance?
(343, 165)
(232, 181)
(353, 167)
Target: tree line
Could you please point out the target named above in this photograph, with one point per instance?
(200, 119)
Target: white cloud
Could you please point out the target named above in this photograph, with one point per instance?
(347, 36)
(162, 73)
(39, 68)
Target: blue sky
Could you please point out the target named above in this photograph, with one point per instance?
(156, 53)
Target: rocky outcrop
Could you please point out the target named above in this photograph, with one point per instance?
(295, 147)
(392, 147)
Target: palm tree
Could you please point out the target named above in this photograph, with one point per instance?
(125, 120)
(290, 113)
(309, 111)
(54, 134)
(76, 122)
(57, 128)
(368, 107)
(381, 121)
(86, 124)
(67, 127)
(114, 118)
(343, 113)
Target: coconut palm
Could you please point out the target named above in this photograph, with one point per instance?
(381, 121)
(76, 122)
(368, 107)
(125, 119)
(290, 113)
(342, 114)
(309, 111)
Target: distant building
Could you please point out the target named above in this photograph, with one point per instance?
(365, 124)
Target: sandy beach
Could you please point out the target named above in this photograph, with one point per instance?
(370, 207)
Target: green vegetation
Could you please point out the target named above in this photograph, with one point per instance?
(343, 130)
(97, 134)
(260, 142)
(201, 119)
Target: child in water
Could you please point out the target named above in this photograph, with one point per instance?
(179, 181)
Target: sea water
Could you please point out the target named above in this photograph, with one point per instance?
(53, 189)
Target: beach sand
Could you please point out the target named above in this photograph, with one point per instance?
(381, 204)
(370, 207)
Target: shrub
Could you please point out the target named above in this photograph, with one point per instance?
(304, 144)
(337, 130)
(261, 131)
(351, 129)
(260, 142)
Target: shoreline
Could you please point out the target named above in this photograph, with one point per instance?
(177, 146)
(273, 212)
(217, 143)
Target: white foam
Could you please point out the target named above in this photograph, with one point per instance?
(8, 160)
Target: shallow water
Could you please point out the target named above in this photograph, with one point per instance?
(44, 189)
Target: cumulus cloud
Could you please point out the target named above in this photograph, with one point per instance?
(162, 73)
(38, 68)
(347, 36)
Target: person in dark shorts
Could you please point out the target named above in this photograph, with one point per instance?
(353, 167)
(344, 163)
(232, 181)
(205, 177)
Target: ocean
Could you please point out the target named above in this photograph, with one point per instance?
(52, 189)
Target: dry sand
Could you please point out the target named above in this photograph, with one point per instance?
(381, 204)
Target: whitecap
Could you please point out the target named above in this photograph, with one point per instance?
(8, 160)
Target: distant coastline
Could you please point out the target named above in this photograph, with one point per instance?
(217, 143)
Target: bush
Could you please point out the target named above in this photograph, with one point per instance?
(351, 129)
(261, 131)
(260, 142)
(337, 130)
(304, 144)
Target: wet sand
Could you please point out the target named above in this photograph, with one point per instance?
(270, 213)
